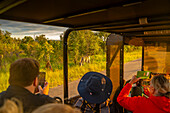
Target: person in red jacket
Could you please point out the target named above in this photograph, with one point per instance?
(157, 102)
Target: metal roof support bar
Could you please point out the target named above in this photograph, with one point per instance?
(65, 64)
(96, 10)
(73, 16)
(119, 27)
(8, 4)
(159, 19)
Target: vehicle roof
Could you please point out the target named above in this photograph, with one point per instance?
(139, 18)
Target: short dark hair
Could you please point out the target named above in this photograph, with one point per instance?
(23, 72)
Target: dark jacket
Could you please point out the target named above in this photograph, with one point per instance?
(30, 101)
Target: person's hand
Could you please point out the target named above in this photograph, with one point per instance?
(146, 91)
(134, 79)
(146, 88)
(45, 89)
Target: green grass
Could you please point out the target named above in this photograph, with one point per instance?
(130, 56)
(98, 64)
(76, 72)
(4, 81)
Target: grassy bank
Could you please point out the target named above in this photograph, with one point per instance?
(76, 72)
(55, 78)
(130, 56)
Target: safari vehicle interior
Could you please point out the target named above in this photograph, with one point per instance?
(144, 23)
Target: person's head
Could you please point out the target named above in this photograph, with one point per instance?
(160, 86)
(56, 108)
(95, 87)
(24, 72)
(11, 106)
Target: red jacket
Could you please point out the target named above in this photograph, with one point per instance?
(153, 104)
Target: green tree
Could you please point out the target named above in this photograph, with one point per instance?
(41, 39)
(103, 38)
(27, 39)
(83, 43)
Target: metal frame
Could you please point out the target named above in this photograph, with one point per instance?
(142, 67)
(122, 68)
(107, 62)
(65, 64)
(126, 26)
(122, 64)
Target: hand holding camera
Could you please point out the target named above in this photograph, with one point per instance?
(143, 75)
(45, 89)
(43, 86)
(134, 80)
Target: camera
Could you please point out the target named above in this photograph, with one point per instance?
(41, 79)
(144, 74)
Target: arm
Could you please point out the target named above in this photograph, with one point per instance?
(123, 98)
(128, 102)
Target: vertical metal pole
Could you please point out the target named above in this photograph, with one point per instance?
(108, 57)
(108, 61)
(121, 64)
(142, 67)
(65, 63)
(121, 68)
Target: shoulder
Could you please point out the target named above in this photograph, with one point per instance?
(45, 98)
(2, 94)
(2, 97)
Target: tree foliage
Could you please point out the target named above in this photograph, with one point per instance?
(85, 42)
(80, 43)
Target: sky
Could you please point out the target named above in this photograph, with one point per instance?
(21, 29)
